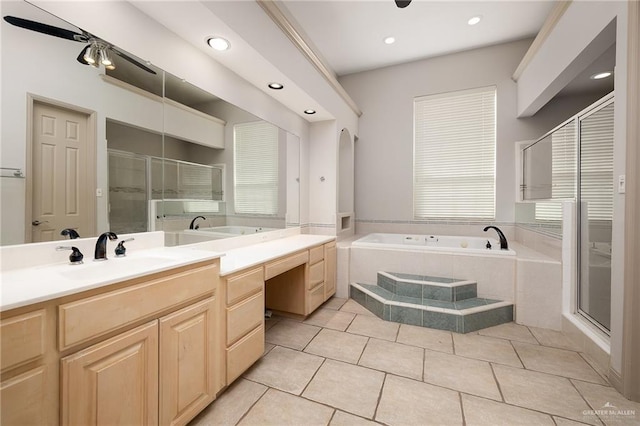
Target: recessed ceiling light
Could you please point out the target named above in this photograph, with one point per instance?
(601, 75)
(474, 20)
(275, 86)
(389, 40)
(309, 111)
(218, 43)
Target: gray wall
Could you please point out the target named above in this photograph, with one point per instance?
(384, 151)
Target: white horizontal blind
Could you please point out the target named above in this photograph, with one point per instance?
(596, 163)
(455, 155)
(255, 171)
(563, 172)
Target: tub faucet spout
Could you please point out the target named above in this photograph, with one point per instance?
(193, 222)
(503, 240)
(101, 245)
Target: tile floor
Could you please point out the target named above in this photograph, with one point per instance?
(344, 366)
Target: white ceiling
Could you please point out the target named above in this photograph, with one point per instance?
(349, 34)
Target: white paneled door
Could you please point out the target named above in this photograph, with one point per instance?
(61, 174)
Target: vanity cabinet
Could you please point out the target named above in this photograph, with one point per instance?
(330, 271)
(161, 372)
(141, 351)
(23, 390)
(244, 320)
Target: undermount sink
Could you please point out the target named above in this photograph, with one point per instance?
(115, 265)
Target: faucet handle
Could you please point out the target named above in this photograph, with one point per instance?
(75, 258)
(121, 250)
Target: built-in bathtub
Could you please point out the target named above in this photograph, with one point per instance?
(436, 243)
(453, 257)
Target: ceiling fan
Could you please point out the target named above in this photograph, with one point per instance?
(96, 52)
(402, 3)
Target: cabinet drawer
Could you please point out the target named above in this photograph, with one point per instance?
(23, 338)
(244, 353)
(316, 254)
(95, 316)
(316, 274)
(279, 266)
(244, 284)
(315, 298)
(244, 317)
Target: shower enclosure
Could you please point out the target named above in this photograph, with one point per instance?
(574, 161)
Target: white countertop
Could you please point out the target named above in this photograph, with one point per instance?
(237, 259)
(28, 285)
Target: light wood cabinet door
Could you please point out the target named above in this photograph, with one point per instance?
(330, 261)
(187, 362)
(114, 382)
(23, 399)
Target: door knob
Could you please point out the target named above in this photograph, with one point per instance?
(37, 222)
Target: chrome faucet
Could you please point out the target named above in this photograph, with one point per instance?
(72, 233)
(193, 222)
(101, 245)
(503, 240)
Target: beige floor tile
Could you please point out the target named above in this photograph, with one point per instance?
(374, 327)
(338, 345)
(291, 334)
(616, 409)
(553, 338)
(229, 408)
(340, 418)
(395, 358)
(285, 369)
(428, 338)
(485, 348)
(461, 374)
(267, 348)
(334, 303)
(355, 308)
(541, 392)
(347, 387)
(270, 322)
(483, 412)
(409, 402)
(560, 362)
(278, 409)
(510, 331)
(330, 318)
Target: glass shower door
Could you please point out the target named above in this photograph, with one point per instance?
(128, 194)
(595, 212)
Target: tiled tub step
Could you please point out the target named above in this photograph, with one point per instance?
(461, 316)
(428, 287)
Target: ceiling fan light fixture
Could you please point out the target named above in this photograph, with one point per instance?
(218, 43)
(91, 55)
(105, 57)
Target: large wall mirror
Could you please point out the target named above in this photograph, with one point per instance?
(129, 149)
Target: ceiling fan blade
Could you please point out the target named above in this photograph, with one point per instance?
(402, 3)
(45, 29)
(133, 61)
(80, 57)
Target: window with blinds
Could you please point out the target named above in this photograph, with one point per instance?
(596, 163)
(455, 155)
(563, 172)
(255, 171)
